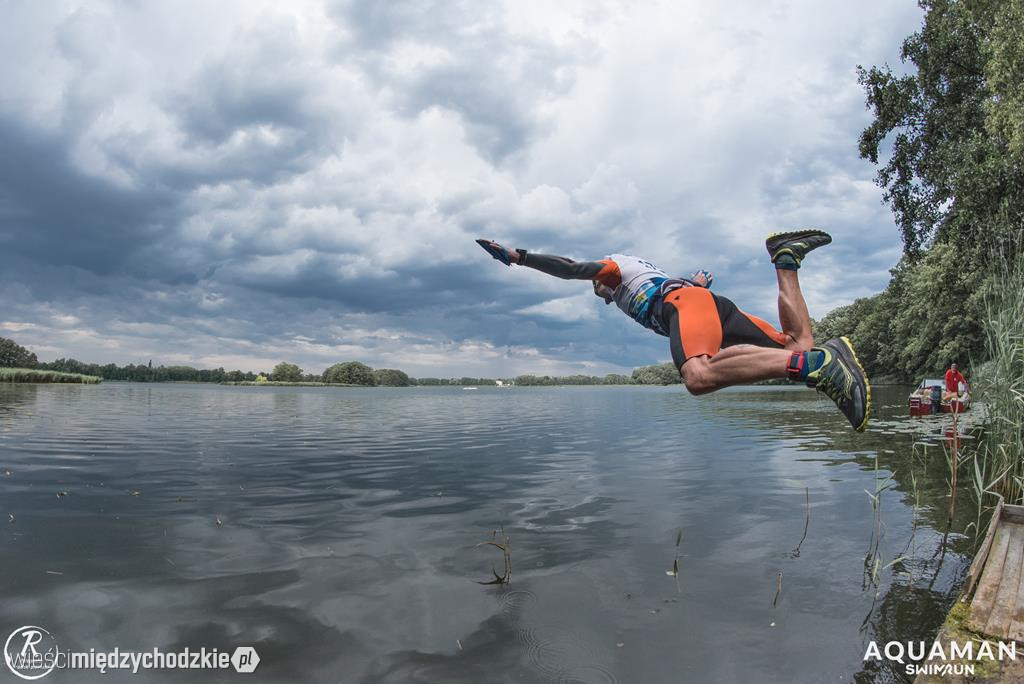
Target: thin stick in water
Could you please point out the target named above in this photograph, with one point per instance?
(778, 589)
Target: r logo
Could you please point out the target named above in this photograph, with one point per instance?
(31, 652)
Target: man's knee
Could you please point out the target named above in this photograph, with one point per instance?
(696, 375)
(699, 387)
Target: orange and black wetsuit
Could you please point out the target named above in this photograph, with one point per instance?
(696, 321)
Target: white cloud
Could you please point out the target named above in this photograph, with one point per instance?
(575, 308)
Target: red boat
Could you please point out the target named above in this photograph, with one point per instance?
(931, 397)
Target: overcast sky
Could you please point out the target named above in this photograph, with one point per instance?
(240, 183)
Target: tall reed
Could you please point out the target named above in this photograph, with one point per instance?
(33, 375)
(1003, 386)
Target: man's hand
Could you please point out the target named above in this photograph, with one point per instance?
(702, 278)
(505, 256)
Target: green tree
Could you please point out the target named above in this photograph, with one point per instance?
(13, 355)
(933, 118)
(1005, 73)
(388, 377)
(658, 374)
(286, 372)
(954, 179)
(350, 373)
(954, 123)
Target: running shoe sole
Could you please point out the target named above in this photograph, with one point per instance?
(847, 354)
(777, 242)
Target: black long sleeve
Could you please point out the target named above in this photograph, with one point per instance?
(560, 267)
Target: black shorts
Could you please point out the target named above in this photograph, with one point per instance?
(701, 324)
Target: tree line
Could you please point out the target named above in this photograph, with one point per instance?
(13, 355)
(356, 373)
(146, 372)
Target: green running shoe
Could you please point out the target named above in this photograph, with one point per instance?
(843, 379)
(796, 243)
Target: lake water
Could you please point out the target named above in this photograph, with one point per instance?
(336, 530)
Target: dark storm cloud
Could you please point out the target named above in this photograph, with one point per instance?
(52, 213)
(376, 25)
(228, 97)
(262, 80)
(496, 124)
(438, 285)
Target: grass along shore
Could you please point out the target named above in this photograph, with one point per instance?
(33, 375)
(1000, 466)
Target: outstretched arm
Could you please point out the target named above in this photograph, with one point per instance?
(561, 267)
(557, 266)
(604, 274)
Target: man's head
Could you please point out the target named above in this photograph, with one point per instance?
(953, 367)
(603, 291)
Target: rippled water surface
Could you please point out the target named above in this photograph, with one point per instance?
(335, 530)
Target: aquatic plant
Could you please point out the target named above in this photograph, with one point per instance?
(674, 572)
(872, 558)
(506, 551)
(795, 553)
(778, 589)
(675, 562)
(999, 463)
(953, 461)
(33, 375)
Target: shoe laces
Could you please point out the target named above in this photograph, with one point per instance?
(834, 384)
(830, 388)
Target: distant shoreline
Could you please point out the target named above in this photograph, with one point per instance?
(33, 376)
(282, 383)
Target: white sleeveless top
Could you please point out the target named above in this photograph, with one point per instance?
(641, 281)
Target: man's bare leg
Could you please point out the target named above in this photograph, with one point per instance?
(736, 365)
(793, 315)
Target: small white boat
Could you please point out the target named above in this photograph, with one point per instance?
(931, 397)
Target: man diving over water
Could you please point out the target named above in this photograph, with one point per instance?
(713, 343)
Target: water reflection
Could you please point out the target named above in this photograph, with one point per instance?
(335, 530)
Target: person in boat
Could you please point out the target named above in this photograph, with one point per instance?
(713, 343)
(954, 380)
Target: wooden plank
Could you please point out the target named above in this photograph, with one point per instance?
(1006, 595)
(1013, 513)
(985, 597)
(979, 559)
(1016, 629)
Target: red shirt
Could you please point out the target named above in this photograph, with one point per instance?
(953, 380)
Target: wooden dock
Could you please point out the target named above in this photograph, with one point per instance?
(991, 606)
(997, 609)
